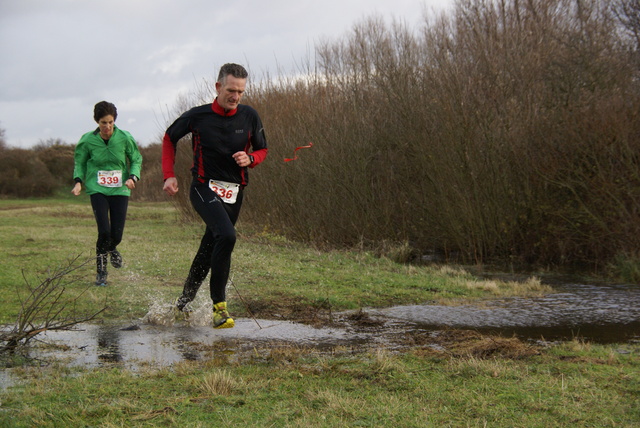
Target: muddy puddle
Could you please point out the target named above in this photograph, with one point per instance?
(131, 346)
(599, 314)
(595, 313)
(159, 339)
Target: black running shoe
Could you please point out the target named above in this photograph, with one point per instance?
(101, 269)
(101, 279)
(116, 259)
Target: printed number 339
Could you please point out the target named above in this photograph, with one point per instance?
(107, 181)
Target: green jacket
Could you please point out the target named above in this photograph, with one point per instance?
(96, 161)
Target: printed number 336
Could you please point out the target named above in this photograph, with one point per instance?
(224, 194)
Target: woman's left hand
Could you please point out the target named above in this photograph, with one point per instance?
(130, 184)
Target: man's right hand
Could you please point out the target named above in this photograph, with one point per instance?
(170, 186)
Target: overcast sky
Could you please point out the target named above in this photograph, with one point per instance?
(59, 57)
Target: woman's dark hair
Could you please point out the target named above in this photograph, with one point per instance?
(104, 108)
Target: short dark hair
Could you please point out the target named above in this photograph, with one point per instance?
(104, 108)
(236, 70)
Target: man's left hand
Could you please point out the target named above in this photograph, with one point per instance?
(242, 159)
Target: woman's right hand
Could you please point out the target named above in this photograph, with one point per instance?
(76, 189)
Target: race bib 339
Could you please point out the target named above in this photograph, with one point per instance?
(110, 178)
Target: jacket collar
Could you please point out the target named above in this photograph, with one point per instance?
(97, 131)
(219, 110)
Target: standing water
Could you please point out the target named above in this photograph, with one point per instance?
(595, 313)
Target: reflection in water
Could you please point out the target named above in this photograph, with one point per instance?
(108, 345)
(188, 354)
(187, 347)
(96, 345)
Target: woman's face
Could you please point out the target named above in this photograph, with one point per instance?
(106, 124)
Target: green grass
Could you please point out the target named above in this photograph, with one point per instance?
(38, 236)
(295, 387)
(472, 381)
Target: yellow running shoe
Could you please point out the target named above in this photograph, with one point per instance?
(221, 318)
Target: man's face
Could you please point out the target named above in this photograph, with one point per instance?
(230, 92)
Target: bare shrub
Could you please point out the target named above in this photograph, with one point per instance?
(57, 156)
(149, 188)
(24, 175)
(501, 131)
(46, 306)
(628, 14)
(3, 143)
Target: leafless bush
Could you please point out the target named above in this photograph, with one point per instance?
(24, 174)
(3, 143)
(149, 188)
(628, 14)
(58, 158)
(504, 130)
(46, 306)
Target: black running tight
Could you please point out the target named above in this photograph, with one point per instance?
(110, 213)
(216, 245)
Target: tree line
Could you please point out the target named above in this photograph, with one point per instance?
(499, 131)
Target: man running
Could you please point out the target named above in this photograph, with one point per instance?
(227, 138)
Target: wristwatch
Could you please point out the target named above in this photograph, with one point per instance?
(251, 159)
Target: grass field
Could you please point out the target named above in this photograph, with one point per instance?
(468, 380)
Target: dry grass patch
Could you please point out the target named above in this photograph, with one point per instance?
(530, 287)
(479, 346)
(468, 343)
(218, 383)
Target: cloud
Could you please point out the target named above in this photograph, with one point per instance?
(59, 57)
(174, 59)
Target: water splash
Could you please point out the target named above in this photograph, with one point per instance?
(199, 313)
